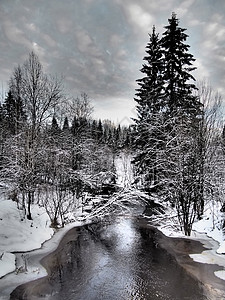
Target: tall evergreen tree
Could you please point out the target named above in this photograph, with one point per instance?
(14, 112)
(185, 113)
(55, 127)
(169, 119)
(150, 101)
(149, 95)
(3, 133)
(177, 67)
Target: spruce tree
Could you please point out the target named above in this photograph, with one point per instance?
(14, 112)
(149, 94)
(150, 101)
(185, 114)
(3, 133)
(100, 131)
(178, 67)
(169, 154)
(55, 127)
(66, 124)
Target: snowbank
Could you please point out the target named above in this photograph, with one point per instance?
(7, 263)
(211, 225)
(17, 234)
(208, 231)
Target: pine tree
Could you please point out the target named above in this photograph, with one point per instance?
(169, 154)
(150, 103)
(177, 67)
(54, 127)
(149, 94)
(66, 124)
(14, 112)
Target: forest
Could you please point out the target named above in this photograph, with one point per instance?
(54, 154)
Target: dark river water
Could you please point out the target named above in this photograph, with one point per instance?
(121, 261)
(118, 261)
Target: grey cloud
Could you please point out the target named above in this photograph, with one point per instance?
(98, 45)
(16, 35)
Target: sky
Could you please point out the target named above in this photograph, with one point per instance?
(98, 45)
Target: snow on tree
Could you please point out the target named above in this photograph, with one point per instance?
(14, 111)
(149, 99)
(177, 67)
(39, 94)
(170, 155)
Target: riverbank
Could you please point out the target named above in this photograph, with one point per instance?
(35, 269)
(32, 234)
(180, 248)
(185, 249)
(44, 286)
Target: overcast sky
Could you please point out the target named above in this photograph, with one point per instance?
(98, 45)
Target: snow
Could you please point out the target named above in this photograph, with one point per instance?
(211, 224)
(124, 170)
(18, 234)
(221, 249)
(208, 231)
(220, 274)
(34, 269)
(7, 263)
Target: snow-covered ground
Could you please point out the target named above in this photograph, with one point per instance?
(17, 234)
(21, 235)
(212, 225)
(208, 231)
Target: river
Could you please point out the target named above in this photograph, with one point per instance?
(121, 260)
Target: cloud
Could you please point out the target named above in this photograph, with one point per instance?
(48, 40)
(202, 71)
(16, 35)
(85, 43)
(99, 45)
(108, 109)
(214, 31)
(184, 7)
(212, 52)
(64, 25)
(139, 16)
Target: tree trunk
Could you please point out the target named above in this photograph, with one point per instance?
(29, 217)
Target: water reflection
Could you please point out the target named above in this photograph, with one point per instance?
(127, 237)
(120, 261)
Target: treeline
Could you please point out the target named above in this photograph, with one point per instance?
(51, 151)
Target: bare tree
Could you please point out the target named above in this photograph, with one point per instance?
(39, 91)
(214, 162)
(40, 94)
(80, 107)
